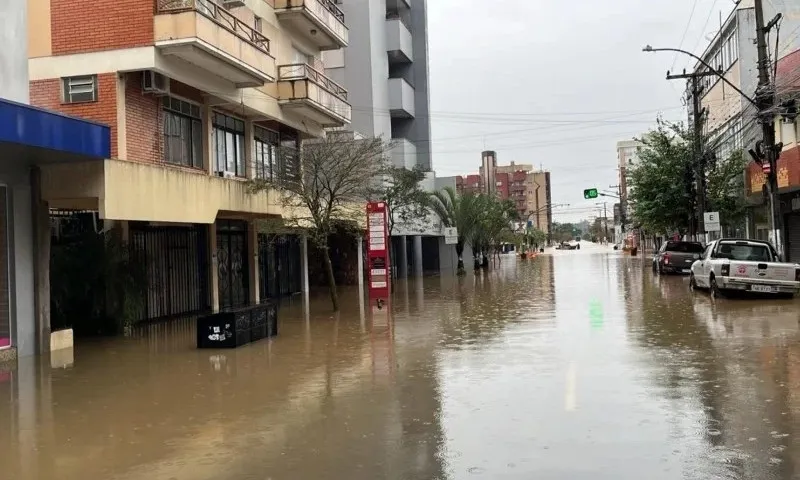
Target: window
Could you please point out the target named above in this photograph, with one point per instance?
(257, 24)
(289, 158)
(266, 152)
(183, 133)
(228, 144)
(80, 89)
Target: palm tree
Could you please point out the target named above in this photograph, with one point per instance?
(457, 211)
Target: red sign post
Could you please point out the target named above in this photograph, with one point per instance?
(378, 266)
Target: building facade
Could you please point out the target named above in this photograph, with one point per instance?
(31, 140)
(200, 97)
(730, 120)
(627, 158)
(385, 69)
(529, 189)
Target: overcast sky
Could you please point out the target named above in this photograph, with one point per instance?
(556, 84)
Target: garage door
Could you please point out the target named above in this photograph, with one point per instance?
(793, 237)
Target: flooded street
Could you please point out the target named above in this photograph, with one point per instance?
(576, 365)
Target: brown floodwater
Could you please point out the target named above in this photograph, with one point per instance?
(576, 365)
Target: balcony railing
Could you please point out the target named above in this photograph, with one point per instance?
(218, 15)
(335, 10)
(302, 71)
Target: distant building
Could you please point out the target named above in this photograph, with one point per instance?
(529, 189)
(627, 158)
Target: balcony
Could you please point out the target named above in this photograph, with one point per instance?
(309, 93)
(404, 153)
(204, 34)
(394, 5)
(398, 41)
(321, 22)
(401, 98)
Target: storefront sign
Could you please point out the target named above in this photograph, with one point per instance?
(377, 251)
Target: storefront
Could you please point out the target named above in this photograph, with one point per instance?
(29, 138)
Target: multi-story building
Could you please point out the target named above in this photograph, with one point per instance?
(627, 157)
(385, 69)
(529, 189)
(200, 96)
(730, 119)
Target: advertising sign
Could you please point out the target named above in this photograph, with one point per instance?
(378, 267)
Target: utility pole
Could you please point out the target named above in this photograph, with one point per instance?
(767, 152)
(605, 219)
(697, 170)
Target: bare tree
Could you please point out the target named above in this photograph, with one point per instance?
(333, 179)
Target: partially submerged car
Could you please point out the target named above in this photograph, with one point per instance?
(730, 265)
(568, 246)
(676, 256)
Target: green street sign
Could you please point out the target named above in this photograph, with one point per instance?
(590, 193)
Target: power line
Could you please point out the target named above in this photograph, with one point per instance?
(685, 30)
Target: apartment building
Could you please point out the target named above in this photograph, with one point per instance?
(385, 69)
(200, 96)
(527, 188)
(627, 157)
(730, 119)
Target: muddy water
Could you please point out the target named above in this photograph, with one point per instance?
(575, 365)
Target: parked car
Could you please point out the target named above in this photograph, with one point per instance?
(568, 246)
(676, 257)
(733, 265)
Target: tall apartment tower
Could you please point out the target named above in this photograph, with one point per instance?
(385, 70)
(488, 171)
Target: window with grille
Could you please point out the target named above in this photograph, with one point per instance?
(289, 158)
(266, 152)
(228, 144)
(183, 133)
(80, 89)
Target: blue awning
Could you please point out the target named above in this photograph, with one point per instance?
(35, 135)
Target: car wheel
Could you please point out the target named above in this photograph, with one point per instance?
(715, 291)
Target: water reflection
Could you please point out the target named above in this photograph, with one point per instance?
(722, 369)
(578, 364)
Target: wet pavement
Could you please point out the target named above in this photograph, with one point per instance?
(576, 365)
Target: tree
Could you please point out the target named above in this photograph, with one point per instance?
(333, 179)
(406, 203)
(456, 211)
(661, 197)
(564, 232)
(726, 189)
(663, 182)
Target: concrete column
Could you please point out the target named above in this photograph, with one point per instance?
(402, 258)
(418, 255)
(252, 255)
(249, 149)
(208, 129)
(213, 268)
(360, 247)
(41, 251)
(304, 264)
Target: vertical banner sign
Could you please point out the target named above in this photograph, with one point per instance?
(378, 251)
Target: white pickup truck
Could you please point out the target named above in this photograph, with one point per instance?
(732, 265)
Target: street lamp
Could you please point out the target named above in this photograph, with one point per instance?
(649, 48)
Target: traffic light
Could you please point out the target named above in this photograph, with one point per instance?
(590, 193)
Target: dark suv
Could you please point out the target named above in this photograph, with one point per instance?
(676, 257)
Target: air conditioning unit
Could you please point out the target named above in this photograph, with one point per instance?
(226, 174)
(155, 83)
(232, 3)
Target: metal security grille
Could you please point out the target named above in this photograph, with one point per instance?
(279, 265)
(176, 261)
(234, 286)
(793, 237)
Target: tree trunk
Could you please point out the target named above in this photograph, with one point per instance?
(331, 279)
(460, 252)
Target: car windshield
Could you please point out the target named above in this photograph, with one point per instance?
(745, 252)
(684, 247)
